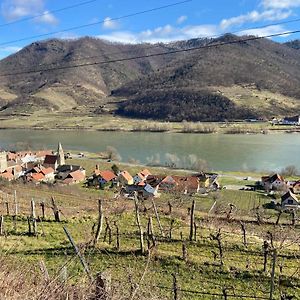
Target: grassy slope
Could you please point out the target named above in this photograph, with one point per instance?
(242, 269)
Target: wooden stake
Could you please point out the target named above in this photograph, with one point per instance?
(195, 231)
(1, 225)
(29, 225)
(15, 203)
(244, 234)
(171, 229)
(55, 210)
(117, 236)
(272, 287)
(184, 252)
(192, 220)
(44, 270)
(33, 214)
(100, 222)
(7, 208)
(81, 257)
(43, 210)
(175, 288)
(151, 232)
(157, 218)
(138, 221)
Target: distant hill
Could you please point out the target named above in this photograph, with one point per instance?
(249, 79)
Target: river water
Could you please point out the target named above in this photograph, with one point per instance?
(221, 151)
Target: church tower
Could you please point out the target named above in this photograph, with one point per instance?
(60, 155)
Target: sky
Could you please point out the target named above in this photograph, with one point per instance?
(25, 21)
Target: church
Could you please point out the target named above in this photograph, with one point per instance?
(54, 161)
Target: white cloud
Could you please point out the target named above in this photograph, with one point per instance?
(164, 34)
(47, 18)
(15, 9)
(181, 19)
(280, 4)
(110, 24)
(265, 31)
(255, 16)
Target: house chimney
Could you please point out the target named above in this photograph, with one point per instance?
(97, 167)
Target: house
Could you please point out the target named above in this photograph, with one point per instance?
(74, 177)
(150, 191)
(144, 190)
(15, 169)
(187, 185)
(9, 176)
(204, 180)
(274, 182)
(168, 183)
(51, 161)
(35, 177)
(296, 187)
(48, 174)
(3, 161)
(63, 171)
(290, 201)
(125, 178)
(141, 176)
(54, 161)
(104, 178)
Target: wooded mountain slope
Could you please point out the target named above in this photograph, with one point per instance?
(189, 85)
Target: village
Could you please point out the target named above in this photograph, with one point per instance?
(52, 168)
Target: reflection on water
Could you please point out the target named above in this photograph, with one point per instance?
(223, 152)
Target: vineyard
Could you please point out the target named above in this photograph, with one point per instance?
(225, 245)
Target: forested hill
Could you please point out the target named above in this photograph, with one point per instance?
(258, 78)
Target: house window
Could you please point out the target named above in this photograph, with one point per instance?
(290, 201)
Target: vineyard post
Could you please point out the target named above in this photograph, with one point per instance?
(55, 210)
(138, 221)
(243, 227)
(43, 210)
(157, 218)
(81, 257)
(100, 222)
(272, 287)
(175, 288)
(192, 220)
(1, 225)
(15, 203)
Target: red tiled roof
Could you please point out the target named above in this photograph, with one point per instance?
(76, 175)
(107, 175)
(37, 176)
(126, 175)
(43, 153)
(47, 171)
(7, 175)
(145, 173)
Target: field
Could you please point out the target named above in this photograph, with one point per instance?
(215, 262)
(84, 119)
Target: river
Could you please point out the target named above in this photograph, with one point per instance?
(223, 152)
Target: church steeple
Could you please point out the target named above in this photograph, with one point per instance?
(60, 155)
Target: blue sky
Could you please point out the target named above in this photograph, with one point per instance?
(197, 18)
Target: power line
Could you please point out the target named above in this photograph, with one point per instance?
(47, 13)
(145, 47)
(95, 23)
(253, 38)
